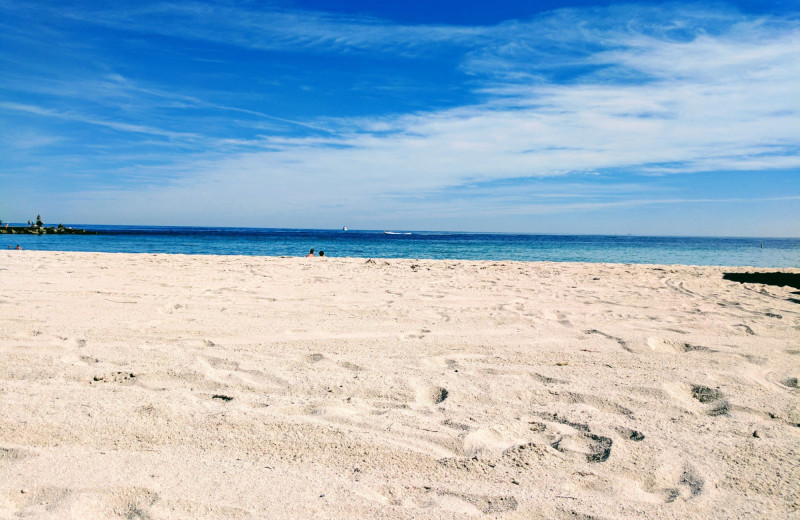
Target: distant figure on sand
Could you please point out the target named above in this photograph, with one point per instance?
(311, 253)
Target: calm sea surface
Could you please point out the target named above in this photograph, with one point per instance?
(761, 252)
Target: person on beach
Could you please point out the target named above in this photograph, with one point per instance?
(311, 253)
(322, 253)
(16, 247)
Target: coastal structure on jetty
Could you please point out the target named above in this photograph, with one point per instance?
(38, 228)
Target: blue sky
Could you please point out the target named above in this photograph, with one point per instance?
(542, 117)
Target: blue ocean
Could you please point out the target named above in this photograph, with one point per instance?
(759, 252)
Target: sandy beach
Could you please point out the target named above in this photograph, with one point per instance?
(171, 386)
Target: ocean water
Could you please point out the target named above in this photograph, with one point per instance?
(759, 252)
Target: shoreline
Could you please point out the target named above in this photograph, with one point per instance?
(776, 253)
(219, 386)
(299, 256)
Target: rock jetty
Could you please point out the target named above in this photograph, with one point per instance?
(44, 230)
(37, 227)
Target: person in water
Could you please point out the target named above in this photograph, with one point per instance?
(311, 253)
(322, 253)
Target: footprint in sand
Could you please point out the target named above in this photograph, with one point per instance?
(688, 347)
(329, 363)
(746, 328)
(486, 504)
(222, 364)
(546, 379)
(621, 342)
(8, 455)
(456, 425)
(576, 439)
(487, 443)
(563, 320)
(705, 394)
(674, 477)
(756, 360)
(431, 395)
(690, 484)
(629, 434)
(596, 448)
(665, 345)
(350, 366)
(124, 378)
(314, 358)
(223, 373)
(52, 498)
(713, 397)
(431, 499)
(119, 502)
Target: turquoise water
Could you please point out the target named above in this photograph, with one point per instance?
(760, 252)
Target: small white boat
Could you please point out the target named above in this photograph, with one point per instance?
(344, 228)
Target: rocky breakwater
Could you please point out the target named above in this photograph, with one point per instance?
(44, 230)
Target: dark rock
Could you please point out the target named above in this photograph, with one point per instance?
(776, 278)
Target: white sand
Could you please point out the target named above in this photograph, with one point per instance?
(159, 386)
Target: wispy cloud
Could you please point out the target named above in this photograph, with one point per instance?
(114, 125)
(274, 29)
